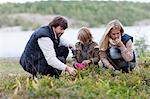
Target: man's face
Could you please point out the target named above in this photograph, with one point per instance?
(59, 31)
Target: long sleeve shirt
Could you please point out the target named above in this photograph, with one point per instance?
(47, 47)
(126, 52)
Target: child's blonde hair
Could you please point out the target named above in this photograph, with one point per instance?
(84, 35)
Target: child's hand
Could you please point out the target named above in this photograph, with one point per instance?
(86, 62)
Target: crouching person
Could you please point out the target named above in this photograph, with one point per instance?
(116, 50)
(46, 52)
(86, 50)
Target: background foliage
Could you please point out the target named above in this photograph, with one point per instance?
(95, 13)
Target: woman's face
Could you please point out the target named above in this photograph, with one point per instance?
(115, 34)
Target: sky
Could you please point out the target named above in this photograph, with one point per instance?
(23, 1)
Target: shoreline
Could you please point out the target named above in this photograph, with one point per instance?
(141, 23)
(16, 59)
(9, 59)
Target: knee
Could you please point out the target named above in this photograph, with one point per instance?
(64, 49)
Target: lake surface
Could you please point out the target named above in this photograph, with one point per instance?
(13, 43)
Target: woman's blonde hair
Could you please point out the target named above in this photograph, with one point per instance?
(84, 35)
(114, 24)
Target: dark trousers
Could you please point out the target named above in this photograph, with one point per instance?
(41, 66)
(124, 69)
(118, 64)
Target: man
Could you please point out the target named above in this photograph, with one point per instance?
(46, 52)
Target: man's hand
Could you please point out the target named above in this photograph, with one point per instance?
(70, 70)
(72, 47)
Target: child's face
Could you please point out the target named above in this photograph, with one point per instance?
(84, 42)
(115, 34)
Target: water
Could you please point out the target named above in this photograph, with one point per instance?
(13, 43)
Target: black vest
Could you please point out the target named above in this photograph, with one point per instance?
(32, 53)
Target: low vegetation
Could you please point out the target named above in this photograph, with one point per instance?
(89, 83)
(92, 82)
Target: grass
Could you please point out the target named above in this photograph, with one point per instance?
(10, 66)
(89, 83)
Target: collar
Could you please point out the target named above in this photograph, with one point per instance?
(54, 33)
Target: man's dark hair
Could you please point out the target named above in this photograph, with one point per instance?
(59, 21)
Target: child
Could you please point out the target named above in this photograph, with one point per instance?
(87, 51)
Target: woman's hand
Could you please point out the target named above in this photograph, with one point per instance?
(111, 67)
(118, 42)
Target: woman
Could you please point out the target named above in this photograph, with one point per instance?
(116, 50)
(87, 51)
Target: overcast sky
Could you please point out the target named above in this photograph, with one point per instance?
(22, 1)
